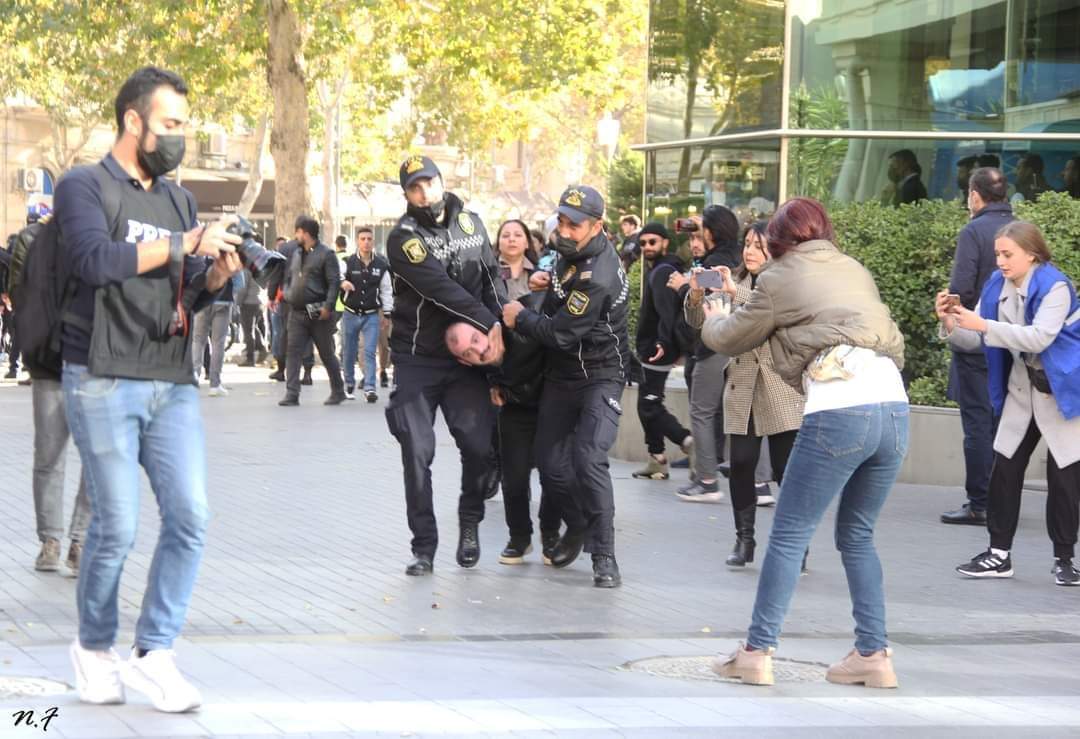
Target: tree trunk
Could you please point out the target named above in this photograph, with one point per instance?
(255, 169)
(290, 137)
(692, 65)
(330, 101)
(64, 157)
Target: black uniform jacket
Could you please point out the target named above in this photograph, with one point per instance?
(443, 272)
(583, 317)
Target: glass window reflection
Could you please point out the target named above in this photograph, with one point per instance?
(714, 67)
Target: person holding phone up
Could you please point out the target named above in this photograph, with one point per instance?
(1027, 324)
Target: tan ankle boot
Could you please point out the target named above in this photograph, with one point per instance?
(752, 667)
(875, 671)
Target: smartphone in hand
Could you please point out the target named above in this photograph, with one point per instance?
(952, 300)
(710, 280)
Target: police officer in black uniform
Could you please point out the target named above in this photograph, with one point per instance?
(443, 271)
(583, 324)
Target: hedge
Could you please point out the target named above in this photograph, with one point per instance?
(909, 250)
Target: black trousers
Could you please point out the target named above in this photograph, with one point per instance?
(517, 442)
(968, 386)
(304, 331)
(1062, 499)
(250, 321)
(575, 430)
(423, 386)
(745, 451)
(656, 420)
(309, 350)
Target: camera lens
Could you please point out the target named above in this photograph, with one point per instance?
(263, 264)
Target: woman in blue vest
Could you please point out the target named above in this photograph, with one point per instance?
(1028, 323)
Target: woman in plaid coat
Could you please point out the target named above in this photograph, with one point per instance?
(757, 403)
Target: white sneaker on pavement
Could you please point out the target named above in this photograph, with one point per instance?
(97, 675)
(218, 391)
(157, 677)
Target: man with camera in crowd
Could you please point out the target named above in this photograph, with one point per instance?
(368, 300)
(583, 325)
(658, 349)
(311, 290)
(140, 265)
(443, 271)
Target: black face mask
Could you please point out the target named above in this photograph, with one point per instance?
(564, 246)
(436, 209)
(166, 157)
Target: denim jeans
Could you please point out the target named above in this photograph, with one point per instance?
(50, 459)
(118, 425)
(211, 322)
(854, 453)
(352, 327)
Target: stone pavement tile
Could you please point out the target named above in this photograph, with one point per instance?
(143, 720)
(1062, 712)
(218, 719)
(494, 715)
(626, 712)
(401, 716)
(560, 715)
(92, 722)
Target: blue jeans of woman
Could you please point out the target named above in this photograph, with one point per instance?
(854, 453)
(118, 426)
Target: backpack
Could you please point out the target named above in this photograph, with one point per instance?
(43, 287)
(18, 248)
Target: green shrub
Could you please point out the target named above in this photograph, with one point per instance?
(909, 250)
(634, 278)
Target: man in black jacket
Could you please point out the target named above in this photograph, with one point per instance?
(904, 172)
(974, 263)
(276, 291)
(443, 271)
(369, 302)
(311, 290)
(658, 350)
(583, 325)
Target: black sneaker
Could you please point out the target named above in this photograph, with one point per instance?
(306, 379)
(1065, 573)
(371, 396)
(384, 381)
(515, 551)
(965, 515)
(548, 541)
(700, 492)
(764, 495)
(468, 551)
(987, 564)
(605, 571)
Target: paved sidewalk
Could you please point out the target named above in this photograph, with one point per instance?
(303, 622)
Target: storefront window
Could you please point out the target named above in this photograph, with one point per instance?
(898, 171)
(714, 67)
(682, 182)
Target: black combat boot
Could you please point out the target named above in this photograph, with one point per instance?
(743, 553)
(468, 548)
(605, 571)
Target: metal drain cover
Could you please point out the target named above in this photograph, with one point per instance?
(30, 687)
(699, 668)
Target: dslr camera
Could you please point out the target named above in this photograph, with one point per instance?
(263, 264)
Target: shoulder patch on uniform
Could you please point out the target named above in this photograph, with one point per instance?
(577, 303)
(414, 251)
(466, 222)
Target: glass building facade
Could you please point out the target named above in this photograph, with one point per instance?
(754, 101)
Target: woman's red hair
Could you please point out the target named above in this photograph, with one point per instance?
(796, 221)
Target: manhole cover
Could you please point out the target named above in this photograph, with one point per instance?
(699, 668)
(29, 687)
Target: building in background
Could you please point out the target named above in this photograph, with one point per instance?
(754, 101)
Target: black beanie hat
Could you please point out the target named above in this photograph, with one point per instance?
(657, 229)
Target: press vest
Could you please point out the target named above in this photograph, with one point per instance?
(366, 280)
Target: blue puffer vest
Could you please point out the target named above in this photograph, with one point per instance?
(1061, 360)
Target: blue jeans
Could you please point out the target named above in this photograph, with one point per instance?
(352, 327)
(118, 425)
(854, 453)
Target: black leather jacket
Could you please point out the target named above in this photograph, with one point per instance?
(313, 277)
(443, 273)
(583, 317)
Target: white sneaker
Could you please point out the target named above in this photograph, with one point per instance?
(156, 676)
(97, 675)
(218, 392)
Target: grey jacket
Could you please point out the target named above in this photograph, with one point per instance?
(1023, 402)
(813, 298)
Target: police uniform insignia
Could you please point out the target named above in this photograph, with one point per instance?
(414, 164)
(575, 198)
(569, 273)
(466, 222)
(414, 250)
(577, 303)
